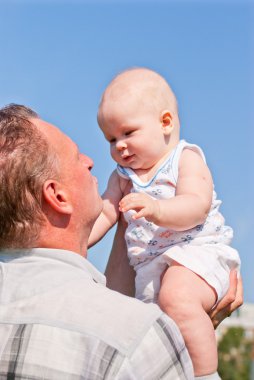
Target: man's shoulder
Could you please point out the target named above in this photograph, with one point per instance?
(68, 319)
(70, 294)
(119, 320)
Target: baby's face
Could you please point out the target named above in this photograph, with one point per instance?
(134, 131)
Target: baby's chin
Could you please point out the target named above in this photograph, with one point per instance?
(136, 166)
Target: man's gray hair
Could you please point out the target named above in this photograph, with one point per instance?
(26, 162)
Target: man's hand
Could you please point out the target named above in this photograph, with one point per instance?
(143, 204)
(232, 300)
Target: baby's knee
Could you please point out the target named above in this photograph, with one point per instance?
(179, 304)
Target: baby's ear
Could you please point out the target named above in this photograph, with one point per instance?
(166, 122)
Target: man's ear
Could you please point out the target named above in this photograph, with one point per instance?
(167, 122)
(56, 197)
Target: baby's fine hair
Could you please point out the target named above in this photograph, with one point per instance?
(147, 84)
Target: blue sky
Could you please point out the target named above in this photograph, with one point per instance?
(58, 56)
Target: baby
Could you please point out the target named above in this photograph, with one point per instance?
(177, 241)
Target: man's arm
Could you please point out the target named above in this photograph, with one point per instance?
(120, 275)
(110, 211)
(161, 354)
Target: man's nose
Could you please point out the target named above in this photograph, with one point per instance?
(120, 145)
(88, 162)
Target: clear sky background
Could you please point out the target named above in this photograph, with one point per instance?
(58, 56)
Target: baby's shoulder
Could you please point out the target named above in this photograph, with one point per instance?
(191, 155)
(117, 183)
(125, 185)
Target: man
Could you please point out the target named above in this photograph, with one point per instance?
(57, 318)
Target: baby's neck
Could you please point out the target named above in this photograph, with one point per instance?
(146, 174)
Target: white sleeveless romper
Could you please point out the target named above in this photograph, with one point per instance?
(203, 249)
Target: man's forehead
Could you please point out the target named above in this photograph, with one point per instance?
(50, 131)
(58, 140)
(44, 126)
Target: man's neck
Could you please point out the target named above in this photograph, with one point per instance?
(62, 239)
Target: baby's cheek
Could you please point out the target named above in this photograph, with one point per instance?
(113, 154)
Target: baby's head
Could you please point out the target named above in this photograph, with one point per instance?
(138, 116)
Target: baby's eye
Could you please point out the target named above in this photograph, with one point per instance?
(128, 133)
(112, 141)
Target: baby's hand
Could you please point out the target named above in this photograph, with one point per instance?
(143, 204)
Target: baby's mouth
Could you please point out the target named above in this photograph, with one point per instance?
(127, 157)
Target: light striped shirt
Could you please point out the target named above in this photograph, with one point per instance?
(58, 321)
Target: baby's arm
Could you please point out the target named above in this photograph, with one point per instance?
(191, 204)
(110, 211)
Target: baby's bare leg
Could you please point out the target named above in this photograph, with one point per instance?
(186, 298)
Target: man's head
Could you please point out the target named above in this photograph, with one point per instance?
(139, 98)
(46, 186)
(26, 161)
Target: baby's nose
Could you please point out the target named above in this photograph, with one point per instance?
(120, 145)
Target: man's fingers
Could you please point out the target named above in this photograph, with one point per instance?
(239, 294)
(232, 300)
(231, 294)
